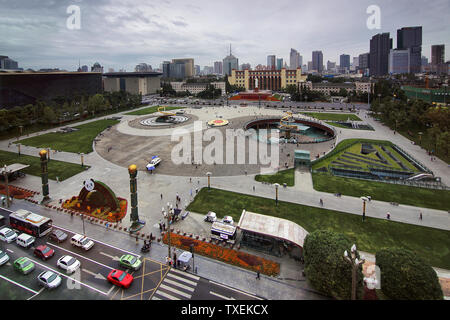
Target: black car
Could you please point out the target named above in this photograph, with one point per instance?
(58, 236)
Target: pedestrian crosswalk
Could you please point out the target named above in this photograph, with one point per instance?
(177, 285)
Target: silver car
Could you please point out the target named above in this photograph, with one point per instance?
(49, 279)
(4, 258)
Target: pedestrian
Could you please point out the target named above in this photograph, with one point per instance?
(388, 216)
(106, 225)
(258, 275)
(190, 180)
(196, 190)
(161, 196)
(71, 213)
(57, 179)
(321, 202)
(253, 188)
(420, 216)
(160, 226)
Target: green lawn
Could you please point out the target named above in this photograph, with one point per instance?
(433, 245)
(148, 110)
(285, 176)
(414, 196)
(333, 116)
(60, 169)
(77, 141)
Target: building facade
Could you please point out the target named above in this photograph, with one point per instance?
(317, 61)
(399, 61)
(229, 63)
(8, 64)
(329, 88)
(271, 62)
(380, 46)
(133, 82)
(411, 38)
(267, 79)
(218, 67)
(294, 59)
(279, 63)
(195, 88)
(438, 59)
(344, 61)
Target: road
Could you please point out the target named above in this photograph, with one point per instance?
(153, 281)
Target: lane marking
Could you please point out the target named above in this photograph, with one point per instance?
(168, 296)
(108, 245)
(66, 276)
(185, 274)
(104, 265)
(115, 258)
(181, 279)
(9, 250)
(18, 284)
(179, 285)
(175, 291)
(233, 289)
(97, 275)
(36, 293)
(112, 288)
(221, 296)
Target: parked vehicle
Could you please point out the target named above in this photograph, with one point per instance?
(4, 258)
(211, 217)
(49, 279)
(120, 278)
(68, 263)
(44, 252)
(7, 235)
(184, 260)
(81, 241)
(25, 240)
(228, 219)
(24, 265)
(58, 236)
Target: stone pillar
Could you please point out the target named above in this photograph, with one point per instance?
(132, 170)
(44, 175)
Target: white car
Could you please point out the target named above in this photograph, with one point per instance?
(4, 258)
(154, 162)
(81, 241)
(228, 219)
(68, 263)
(7, 235)
(49, 279)
(25, 240)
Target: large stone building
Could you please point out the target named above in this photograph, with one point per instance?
(133, 82)
(22, 88)
(195, 88)
(330, 88)
(267, 79)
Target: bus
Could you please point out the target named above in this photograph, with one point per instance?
(223, 231)
(31, 223)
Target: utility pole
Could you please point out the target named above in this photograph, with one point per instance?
(5, 175)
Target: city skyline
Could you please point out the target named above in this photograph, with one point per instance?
(120, 36)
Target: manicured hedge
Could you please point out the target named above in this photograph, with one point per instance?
(325, 267)
(406, 276)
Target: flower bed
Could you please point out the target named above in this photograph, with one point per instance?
(16, 192)
(99, 213)
(240, 259)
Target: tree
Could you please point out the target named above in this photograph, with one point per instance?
(406, 276)
(49, 115)
(325, 266)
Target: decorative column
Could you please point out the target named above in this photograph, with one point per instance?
(44, 175)
(134, 217)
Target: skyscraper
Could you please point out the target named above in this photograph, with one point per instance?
(317, 61)
(230, 62)
(438, 58)
(331, 65)
(344, 61)
(399, 61)
(411, 38)
(279, 63)
(300, 60)
(218, 67)
(271, 62)
(293, 59)
(380, 46)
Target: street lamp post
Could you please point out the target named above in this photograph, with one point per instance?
(18, 147)
(276, 192)
(5, 175)
(209, 180)
(355, 262)
(168, 216)
(364, 199)
(420, 138)
(82, 158)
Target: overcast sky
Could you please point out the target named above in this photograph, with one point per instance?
(121, 34)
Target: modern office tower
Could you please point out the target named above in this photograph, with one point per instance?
(344, 61)
(310, 66)
(399, 61)
(300, 60)
(230, 62)
(271, 62)
(218, 67)
(8, 64)
(279, 63)
(331, 65)
(187, 65)
(355, 62)
(411, 38)
(380, 46)
(317, 61)
(364, 59)
(166, 69)
(197, 69)
(293, 59)
(438, 54)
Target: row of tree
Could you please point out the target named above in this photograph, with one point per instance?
(62, 110)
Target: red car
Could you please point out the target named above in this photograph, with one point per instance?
(120, 278)
(44, 252)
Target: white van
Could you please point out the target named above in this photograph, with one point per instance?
(81, 241)
(25, 240)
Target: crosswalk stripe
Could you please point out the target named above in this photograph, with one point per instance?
(178, 284)
(181, 279)
(178, 292)
(155, 298)
(221, 296)
(166, 295)
(185, 274)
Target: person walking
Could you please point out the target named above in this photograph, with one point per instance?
(321, 202)
(420, 216)
(388, 216)
(258, 275)
(161, 196)
(253, 188)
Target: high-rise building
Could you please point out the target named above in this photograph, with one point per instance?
(8, 64)
(294, 59)
(399, 61)
(197, 69)
(300, 60)
(310, 66)
(280, 63)
(230, 62)
(438, 64)
(380, 46)
(331, 65)
(166, 69)
(218, 67)
(271, 62)
(355, 62)
(364, 59)
(344, 61)
(317, 61)
(184, 67)
(411, 38)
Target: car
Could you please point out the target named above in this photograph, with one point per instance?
(120, 278)
(130, 261)
(68, 263)
(25, 240)
(7, 235)
(211, 217)
(49, 279)
(81, 241)
(228, 219)
(24, 265)
(44, 252)
(4, 258)
(58, 236)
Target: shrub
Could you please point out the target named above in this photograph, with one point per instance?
(325, 266)
(406, 276)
